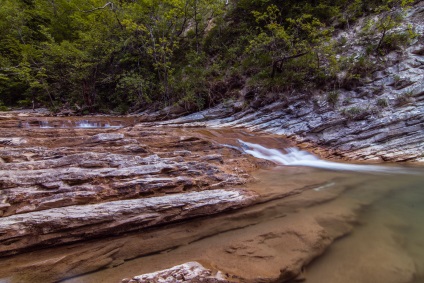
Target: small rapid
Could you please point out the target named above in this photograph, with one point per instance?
(54, 123)
(297, 157)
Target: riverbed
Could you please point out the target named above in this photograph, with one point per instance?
(337, 223)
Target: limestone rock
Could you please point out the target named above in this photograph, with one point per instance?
(64, 184)
(71, 223)
(190, 272)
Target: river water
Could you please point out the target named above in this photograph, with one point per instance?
(382, 242)
(347, 223)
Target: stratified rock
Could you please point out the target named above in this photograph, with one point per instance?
(62, 184)
(12, 141)
(190, 272)
(105, 137)
(72, 223)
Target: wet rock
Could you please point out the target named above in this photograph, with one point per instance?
(213, 157)
(190, 272)
(71, 223)
(182, 153)
(12, 141)
(106, 137)
(65, 184)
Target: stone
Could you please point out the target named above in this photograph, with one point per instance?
(66, 184)
(190, 272)
(12, 141)
(106, 137)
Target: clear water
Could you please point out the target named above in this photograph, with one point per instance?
(386, 246)
(377, 213)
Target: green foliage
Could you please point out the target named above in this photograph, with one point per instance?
(356, 70)
(382, 102)
(333, 98)
(124, 56)
(3, 107)
(355, 113)
(382, 31)
(404, 98)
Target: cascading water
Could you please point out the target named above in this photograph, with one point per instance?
(82, 124)
(297, 157)
(45, 125)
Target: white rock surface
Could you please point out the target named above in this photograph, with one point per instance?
(190, 272)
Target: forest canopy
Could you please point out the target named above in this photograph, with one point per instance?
(126, 55)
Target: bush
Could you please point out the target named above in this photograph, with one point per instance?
(382, 102)
(404, 98)
(357, 70)
(355, 113)
(3, 107)
(333, 98)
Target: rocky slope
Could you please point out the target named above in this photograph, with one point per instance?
(381, 120)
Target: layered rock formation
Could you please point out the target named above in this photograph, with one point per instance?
(381, 120)
(69, 185)
(61, 185)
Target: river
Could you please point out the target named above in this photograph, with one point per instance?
(328, 221)
(379, 219)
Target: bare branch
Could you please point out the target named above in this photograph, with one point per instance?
(100, 8)
(277, 65)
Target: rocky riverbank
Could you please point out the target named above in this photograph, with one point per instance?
(131, 191)
(61, 185)
(379, 120)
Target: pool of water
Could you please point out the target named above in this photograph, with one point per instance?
(336, 222)
(376, 219)
(386, 246)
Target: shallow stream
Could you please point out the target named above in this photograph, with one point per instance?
(348, 223)
(384, 244)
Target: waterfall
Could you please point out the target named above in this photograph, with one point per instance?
(45, 125)
(296, 157)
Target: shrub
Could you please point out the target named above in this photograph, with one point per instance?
(333, 98)
(3, 107)
(404, 98)
(382, 102)
(355, 113)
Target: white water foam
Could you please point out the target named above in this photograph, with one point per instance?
(83, 124)
(297, 157)
(44, 125)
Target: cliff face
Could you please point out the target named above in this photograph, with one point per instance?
(381, 120)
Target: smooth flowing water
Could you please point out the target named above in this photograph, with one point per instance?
(347, 223)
